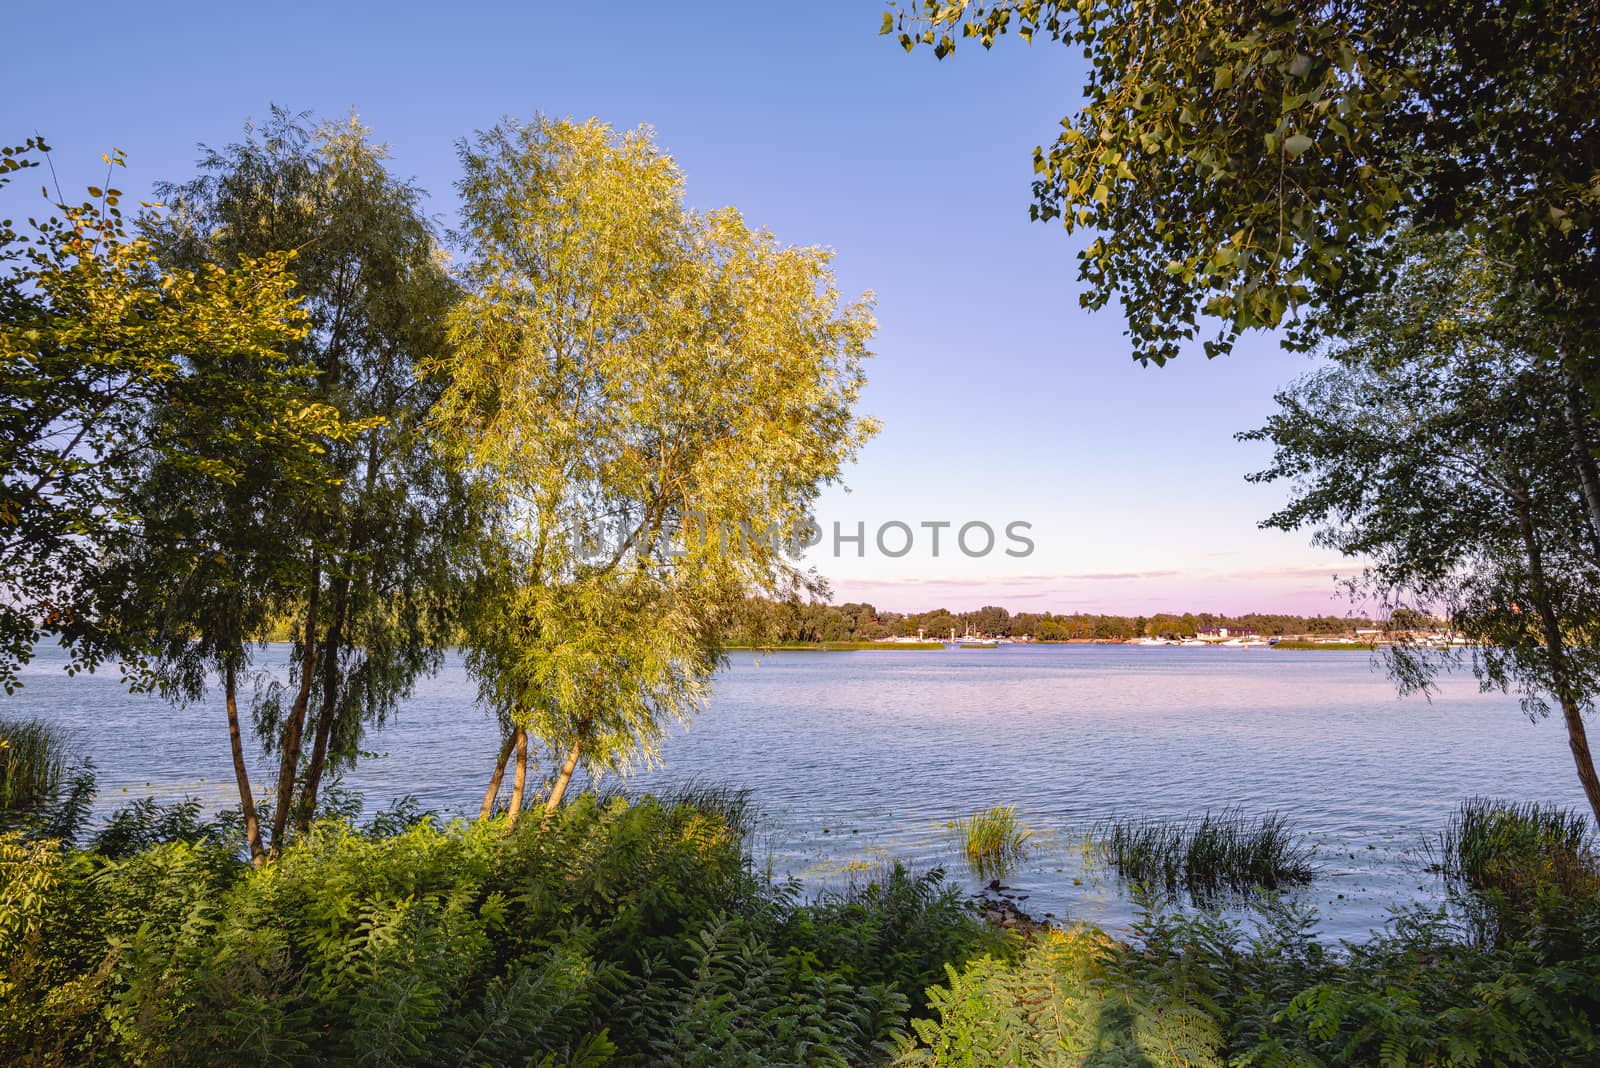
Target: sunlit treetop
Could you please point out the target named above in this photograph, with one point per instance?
(1247, 163)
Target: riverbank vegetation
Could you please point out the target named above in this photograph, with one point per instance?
(642, 931)
(763, 620)
(993, 842)
(1208, 857)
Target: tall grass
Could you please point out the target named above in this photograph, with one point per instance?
(993, 843)
(1488, 843)
(43, 792)
(1209, 856)
(1525, 870)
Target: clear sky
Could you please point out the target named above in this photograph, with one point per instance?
(1001, 400)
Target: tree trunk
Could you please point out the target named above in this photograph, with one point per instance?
(294, 726)
(519, 781)
(247, 801)
(559, 789)
(1555, 646)
(330, 705)
(493, 791)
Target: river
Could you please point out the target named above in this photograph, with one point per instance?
(858, 758)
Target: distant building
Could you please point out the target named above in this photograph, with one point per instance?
(1227, 632)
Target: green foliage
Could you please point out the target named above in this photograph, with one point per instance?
(1239, 162)
(994, 842)
(761, 623)
(1193, 990)
(613, 932)
(1443, 447)
(1207, 857)
(96, 330)
(370, 553)
(653, 397)
(897, 928)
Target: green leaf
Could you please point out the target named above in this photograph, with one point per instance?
(1296, 144)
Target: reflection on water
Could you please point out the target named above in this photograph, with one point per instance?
(856, 758)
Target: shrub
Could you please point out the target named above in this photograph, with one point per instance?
(625, 929)
(1192, 990)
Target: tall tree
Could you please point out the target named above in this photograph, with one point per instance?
(200, 567)
(654, 396)
(383, 552)
(94, 332)
(1436, 447)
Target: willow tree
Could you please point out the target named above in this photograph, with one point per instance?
(382, 553)
(654, 397)
(1435, 447)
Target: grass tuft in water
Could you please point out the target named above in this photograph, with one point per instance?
(993, 843)
(1207, 857)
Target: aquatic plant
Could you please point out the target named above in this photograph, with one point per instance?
(1487, 842)
(44, 792)
(1207, 857)
(993, 843)
(1524, 870)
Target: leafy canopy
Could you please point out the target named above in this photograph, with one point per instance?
(1238, 162)
(95, 332)
(654, 397)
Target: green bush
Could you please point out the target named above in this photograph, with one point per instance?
(1193, 990)
(618, 931)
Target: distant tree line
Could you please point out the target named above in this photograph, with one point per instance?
(767, 622)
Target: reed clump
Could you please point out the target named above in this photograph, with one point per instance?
(44, 791)
(1527, 870)
(994, 842)
(1208, 857)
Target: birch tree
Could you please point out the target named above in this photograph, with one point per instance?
(1436, 447)
(655, 396)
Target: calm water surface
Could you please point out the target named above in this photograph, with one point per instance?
(858, 758)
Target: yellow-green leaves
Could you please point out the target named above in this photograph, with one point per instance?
(654, 396)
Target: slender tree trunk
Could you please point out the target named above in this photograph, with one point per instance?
(294, 726)
(519, 781)
(247, 801)
(329, 705)
(559, 789)
(1578, 416)
(493, 791)
(1560, 677)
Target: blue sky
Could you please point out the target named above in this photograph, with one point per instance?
(1001, 400)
